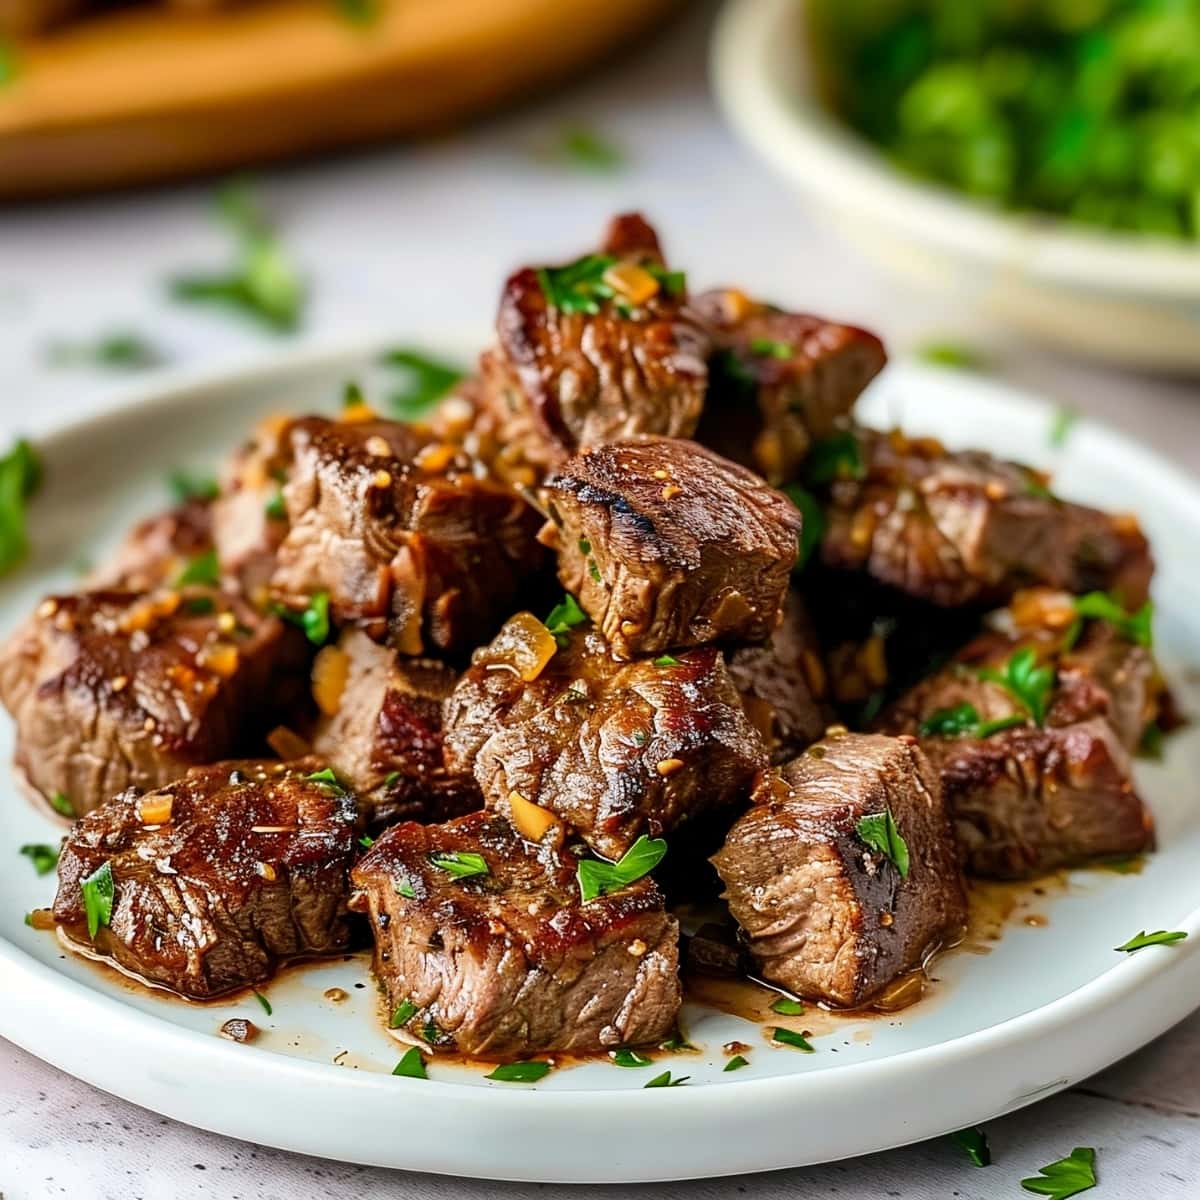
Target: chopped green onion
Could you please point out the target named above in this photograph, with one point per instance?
(43, 857)
(98, 892)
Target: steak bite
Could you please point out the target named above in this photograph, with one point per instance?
(967, 528)
(423, 559)
(595, 351)
(616, 750)
(825, 911)
(483, 945)
(381, 730)
(783, 684)
(216, 878)
(778, 381)
(1036, 771)
(115, 689)
(666, 544)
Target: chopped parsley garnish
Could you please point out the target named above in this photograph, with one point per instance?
(834, 457)
(423, 382)
(1151, 743)
(20, 474)
(8, 64)
(579, 286)
(812, 522)
(97, 891)
(112, 350)
(736, 1062)
(594, 571)
(275, 508)
(412, 1065)
(186, 486)
(402, 1014)
(674, 283)
(366, 841)
(1028, 684)
(974, 1144)
(585, 148)
(390, 778)
(879, 832)
(1034, 486)
(666, 1080)
(1160, 937)
(263, 283)
(785, 1006)
(667, 660)
(1134, 627)
(43, 857)
(585, 547)
(404, 888)
(314, 619)
(266, 1004)
(362, 13)
(62, 805)
(326, 778)
(951, 354)
(1063, 422)
(963, 720)
(629, 1058)
(789, 1037)
(769, 348)
(430, 1032)
(462, 864)
(520, 1072)
(1067, 1177)
(202, 571)
(676, 1044)
(564, 617)
(598, 878)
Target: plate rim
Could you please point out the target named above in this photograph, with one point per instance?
(1143, 975)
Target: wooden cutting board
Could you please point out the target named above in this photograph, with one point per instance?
(146, 93)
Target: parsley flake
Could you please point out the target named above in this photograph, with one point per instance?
(402, 1014)
(963, 720)
(879, 832)
(789, 1037)
(326, 778)
(201, 571)
(1063, 421)
(266, 1004)
(629, 1058)
(97, 891)
(423, 382)
(1160, 937)
(185, 486)
(951, 354)
(666, 1080)
(1029, 684)
(785, 1006)
(366, 841)
(43, 857)
(62, 804)
(404, 888)
(412, 1065)
(127, 350)
(1067, 1177)
(736, 1063)
(667, 660)
(598, 878)
(578, 287)
(835, 457)
(314, 619)
(462, 864)
(769, 348)
(581, 147)
(1134, 627)
(520, 1072)
(564, 617)
(812, 523)
(20, 475)
(974, 1144)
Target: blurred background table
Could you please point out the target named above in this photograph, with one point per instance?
(406, 241)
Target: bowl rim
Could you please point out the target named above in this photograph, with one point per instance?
(761, 51)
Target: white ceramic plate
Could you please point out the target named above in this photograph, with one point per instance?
(1047, 1007)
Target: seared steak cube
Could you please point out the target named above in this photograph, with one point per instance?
(158, 550)
(783, 684)
(424, 559)
(829, 908)
(596, 351)
(778, 380)
(216, 878)
(666, 544)
(967, 528)
(613, 749)
(483, 945)
(381, 731)
(115, 689)
(1032, 791)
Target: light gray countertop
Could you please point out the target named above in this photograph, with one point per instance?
(413, 238)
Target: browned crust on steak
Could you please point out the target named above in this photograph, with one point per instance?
(615, 750)
(251, 869)
(511, 963)
(683, 547)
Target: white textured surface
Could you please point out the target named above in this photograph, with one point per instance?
(407, 239)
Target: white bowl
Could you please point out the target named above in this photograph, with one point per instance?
(1125, 298)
